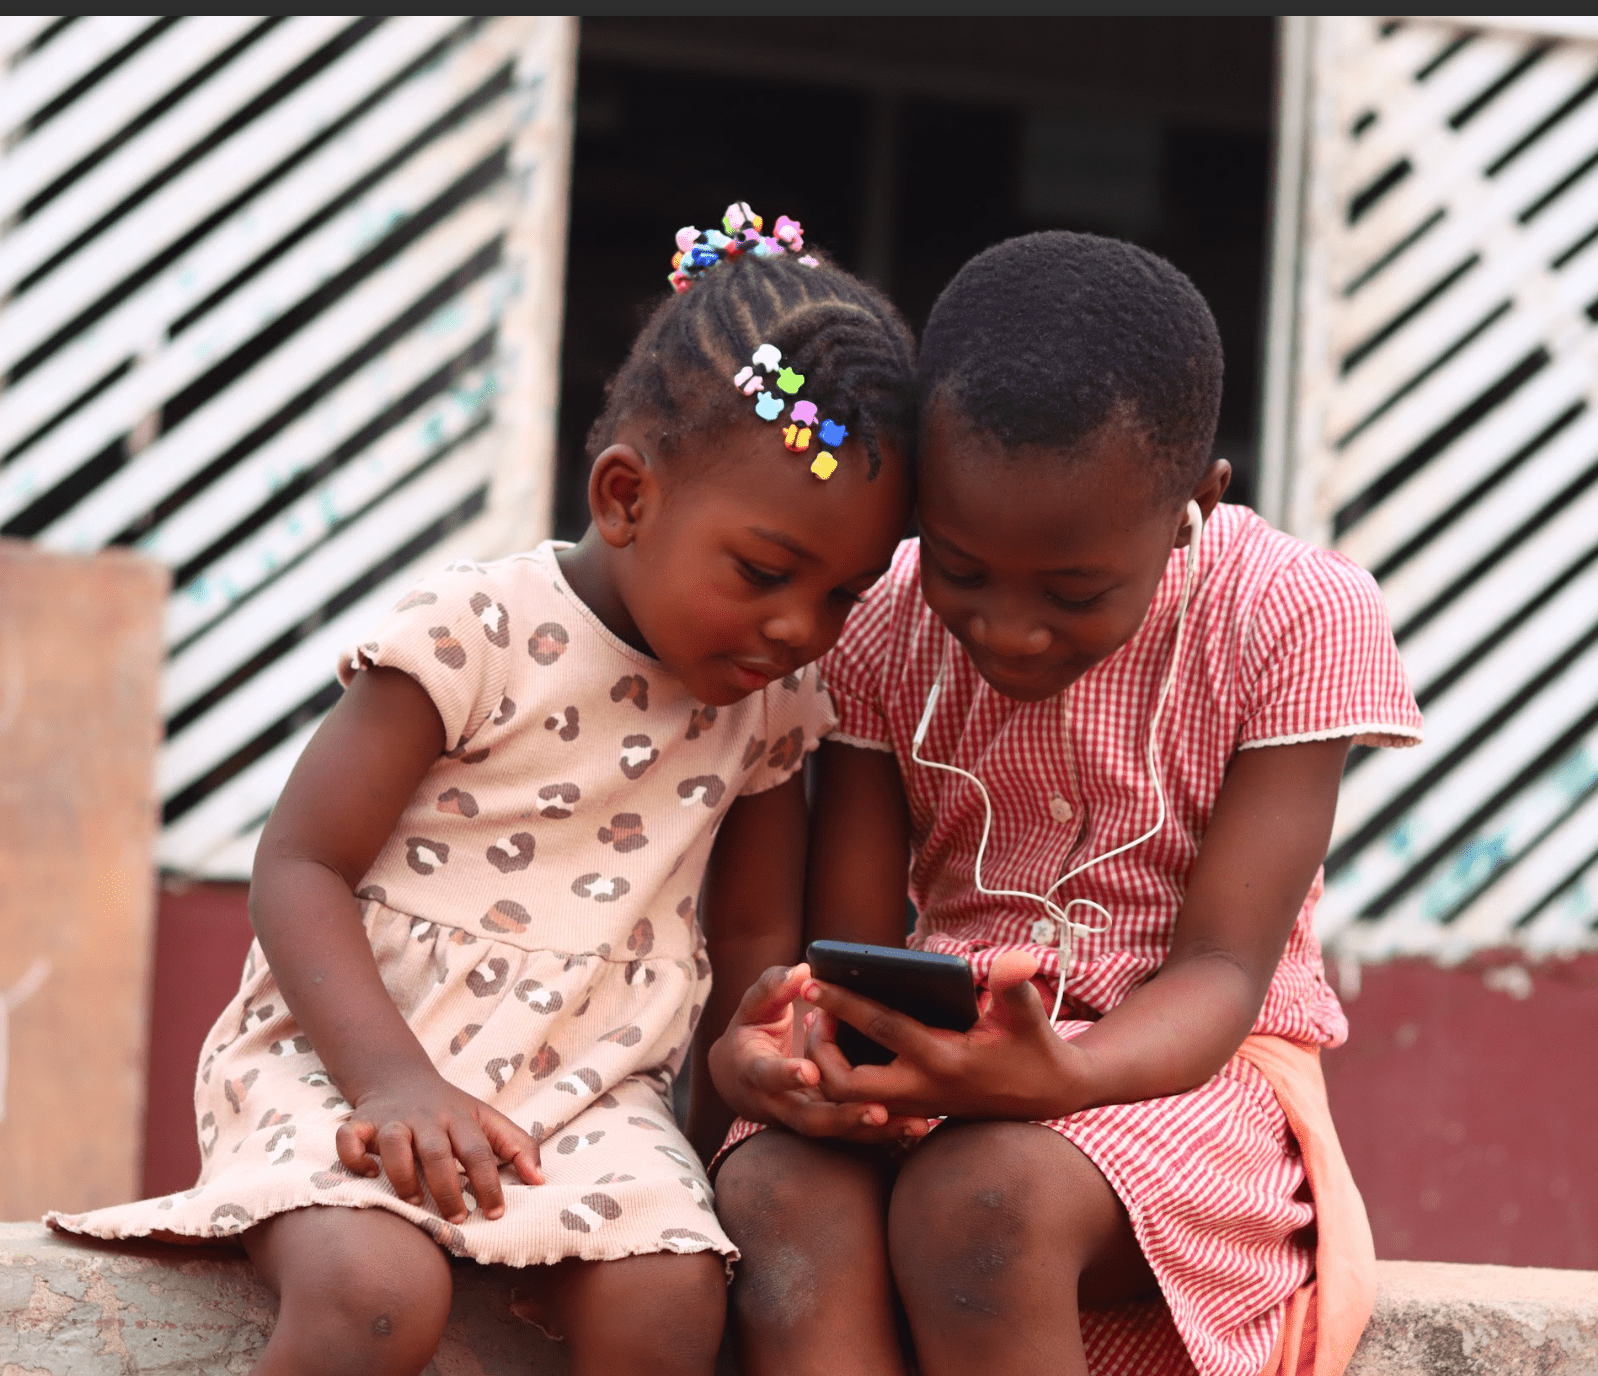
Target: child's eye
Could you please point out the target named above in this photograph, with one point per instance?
(761, 578)
(1085, 604)
(852, 598)
(959, 580)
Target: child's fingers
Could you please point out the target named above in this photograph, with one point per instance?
(1015, 1003)
(355, 1142)
(778, 1074)
(883, 1025)
(471, 1148)
(514, 1145)
(865, 1123)
(772, 994)
(395, 1149)
(436, 1153)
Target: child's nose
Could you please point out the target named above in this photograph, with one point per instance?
(792, 626)
(1010, 636)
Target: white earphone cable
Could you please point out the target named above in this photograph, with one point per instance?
(1061, 916)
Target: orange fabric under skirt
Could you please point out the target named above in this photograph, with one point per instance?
(1325, 1318)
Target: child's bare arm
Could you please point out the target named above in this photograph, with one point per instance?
(1267, 835)
(755, 926)
(337, 810)
(860, 847)
(753, 916)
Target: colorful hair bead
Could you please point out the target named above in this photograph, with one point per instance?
(790, 381)
(832, 434)
(748, 381)
(789, 233)
(804, 412)
(768, 406)
(767, 356)
(797, 438)
(824, 465)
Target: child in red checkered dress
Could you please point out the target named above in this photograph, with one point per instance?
(1101, 720)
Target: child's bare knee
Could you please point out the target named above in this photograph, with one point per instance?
(661, 1311)
(970, 1211)
(803, 1215)
(358, 1290)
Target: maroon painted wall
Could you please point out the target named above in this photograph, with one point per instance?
(202, 932)
(1469, 1116)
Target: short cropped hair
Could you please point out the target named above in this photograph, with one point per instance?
(1043, 339)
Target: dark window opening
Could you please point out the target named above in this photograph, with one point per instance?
(906, 148)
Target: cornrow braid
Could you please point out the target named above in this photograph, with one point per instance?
(853, 347)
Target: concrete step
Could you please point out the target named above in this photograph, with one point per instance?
(76, 1308)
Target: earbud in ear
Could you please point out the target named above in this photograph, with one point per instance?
(1195, 530)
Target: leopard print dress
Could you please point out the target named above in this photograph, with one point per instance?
(533, 916)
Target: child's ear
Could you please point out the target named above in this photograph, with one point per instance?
(617, 487)
(1212, 486)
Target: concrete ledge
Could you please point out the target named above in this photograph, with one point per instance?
(92, 1309)
(86, 1308)
(1434, 1319)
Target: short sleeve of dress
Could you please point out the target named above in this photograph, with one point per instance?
(798, 714)
(855, 669)
(451, 633)
(1321, 662)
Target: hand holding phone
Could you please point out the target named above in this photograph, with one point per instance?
(757, 1075)
(1010, 1064)
(936, 990)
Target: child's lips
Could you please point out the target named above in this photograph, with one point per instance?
(751, 676)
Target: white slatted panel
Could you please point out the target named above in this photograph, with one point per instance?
(1443, 431)
(280, 307)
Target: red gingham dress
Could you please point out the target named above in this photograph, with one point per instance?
(1284, 643)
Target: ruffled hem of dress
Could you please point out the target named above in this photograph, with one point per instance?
(447, 1235)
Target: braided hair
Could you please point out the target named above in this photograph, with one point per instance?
(1044, 339)
(853, 347)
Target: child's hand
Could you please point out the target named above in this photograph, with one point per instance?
(1011, 1064)
(756, 1075)
(415, 1128)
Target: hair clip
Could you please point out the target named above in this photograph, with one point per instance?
(699, 250)
(766, 362)
(738, 215)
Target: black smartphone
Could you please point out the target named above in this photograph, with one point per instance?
(933, 989)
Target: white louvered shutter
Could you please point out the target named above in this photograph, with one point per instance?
(1435, 417)
(279, 307)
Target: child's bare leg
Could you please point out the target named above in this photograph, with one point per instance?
(813, 1292)
(359, 1290)
(657, 1313)
(992, 1229)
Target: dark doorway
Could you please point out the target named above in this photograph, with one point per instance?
(905, 146)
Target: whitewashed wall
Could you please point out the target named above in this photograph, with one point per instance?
(280, 307)
(1433, 412)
